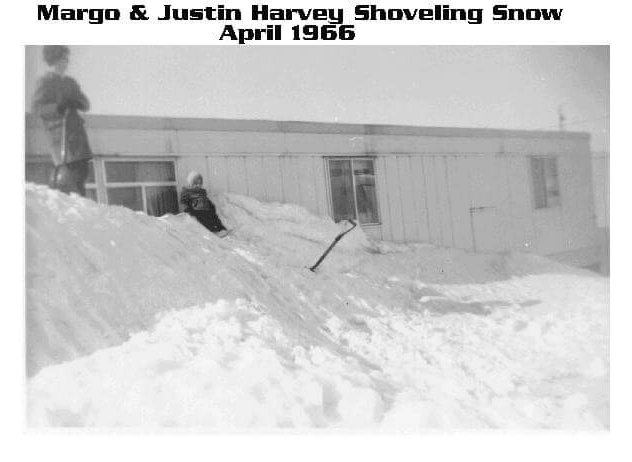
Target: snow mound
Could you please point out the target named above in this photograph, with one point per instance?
(141, 321)
(95, 273)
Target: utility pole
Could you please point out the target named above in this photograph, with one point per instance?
(561, 118)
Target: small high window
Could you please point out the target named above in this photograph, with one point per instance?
(546, 186)
(352, 187)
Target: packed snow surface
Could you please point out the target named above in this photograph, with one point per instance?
(140, 321)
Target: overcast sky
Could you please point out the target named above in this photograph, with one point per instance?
(476, 86)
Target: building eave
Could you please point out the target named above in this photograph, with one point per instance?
(113, 122)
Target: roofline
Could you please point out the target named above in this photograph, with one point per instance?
(130, 122)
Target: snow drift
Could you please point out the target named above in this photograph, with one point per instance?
(141, 321)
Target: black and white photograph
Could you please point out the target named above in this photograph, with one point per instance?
(317, 238)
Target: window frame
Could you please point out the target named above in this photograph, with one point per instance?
(102, 193)
(547, 196)
(327, 159)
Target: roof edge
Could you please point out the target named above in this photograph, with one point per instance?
(131, 122)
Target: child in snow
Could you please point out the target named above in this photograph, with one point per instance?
(197, 204)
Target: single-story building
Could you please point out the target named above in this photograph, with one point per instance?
(484, 190)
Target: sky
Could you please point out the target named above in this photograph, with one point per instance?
(514, 87)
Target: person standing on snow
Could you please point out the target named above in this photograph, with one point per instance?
(197, 204)
(56, 102)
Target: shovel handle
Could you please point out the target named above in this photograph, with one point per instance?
(331, 246)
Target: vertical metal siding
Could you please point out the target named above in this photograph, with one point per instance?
(459, 184)
(577, 200)
(434, 219)
(383, 198)
(218, 173)
(237, 175)
(503, 202)
(320, 184)
(273, 179)
(405, 185)
(254, 177)
(394, 198)
(291, 191)
(426, 198)
(519, 181)
(443, 199)
(305, 173)
(420, 197)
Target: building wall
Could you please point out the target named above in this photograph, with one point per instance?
(464, 188)
(271, 178)
(601, 184)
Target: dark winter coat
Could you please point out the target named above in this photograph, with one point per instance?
(57, 101)
(195, 199)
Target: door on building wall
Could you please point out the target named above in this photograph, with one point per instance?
(486, 188)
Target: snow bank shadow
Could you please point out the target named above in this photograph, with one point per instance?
(447, 306)
(449, 266)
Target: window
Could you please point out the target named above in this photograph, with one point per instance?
(39, 170)
(352, 183)
(546, 187)
(147, 186)
(91, 184)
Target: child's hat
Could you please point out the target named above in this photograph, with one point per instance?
(192, 177)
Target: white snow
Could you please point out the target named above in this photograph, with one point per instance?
(141, 321)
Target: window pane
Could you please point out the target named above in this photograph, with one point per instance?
(552, 183)
(365, 191)
(91, 193)
(161, 200)
(137, 172)
(341, 189)
(90, 178)
(38, 172)
(539, 184)
(131, 197)
(551, 178)
(546, 187)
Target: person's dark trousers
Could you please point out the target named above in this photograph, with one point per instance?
(71, 177)
(208, 219)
